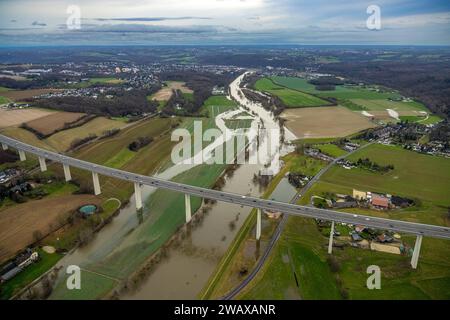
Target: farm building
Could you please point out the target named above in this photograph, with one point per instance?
(379, 201)
(360, 195)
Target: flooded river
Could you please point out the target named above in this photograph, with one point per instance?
(186, 269)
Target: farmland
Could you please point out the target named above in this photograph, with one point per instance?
(166, 92)
(167, 214)
(113, 151)
(107, 80)
(18, 223)
(61, 141)
(46, 261)
(411, 170)
(94, 81)
(292, 98)
(16, 117)
(4, 100)
(324, 122)
(227, 275)
(340, 92)
(18, 95)
(53, 122)
(373, 99)
(330, 149)
(302, 247)
(380, 104)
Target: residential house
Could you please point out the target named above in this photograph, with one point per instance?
(359, 195)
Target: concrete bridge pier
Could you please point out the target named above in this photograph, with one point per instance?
(258, 224)
(187, 202)
(330, 243)
(415, 257)
(42, 164)
(67, 174)
(4, 146)
(97, 189)
(138, 195)
(22, 155)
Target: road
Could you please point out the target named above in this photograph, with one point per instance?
(286, 208)
(279, 229)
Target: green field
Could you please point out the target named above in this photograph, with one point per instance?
(415, 175)
(300, 251)
(424, 178)
(31, 273)
(120, 159)
(430, 119)
(219, 101)
(94, 81)
(227, 275)
(343, 92)
(340, 92)
(163, 214)
(4, 100)
(331, 149)
(62, 140)
(108, 80)
(380, 104)
(295, 83)
(292, 98)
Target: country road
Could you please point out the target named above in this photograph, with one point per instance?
(233, 293)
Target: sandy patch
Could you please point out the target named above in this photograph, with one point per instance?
(49, 249)
(393, 114)
(165, 93)
(365, 113)
(384, 248)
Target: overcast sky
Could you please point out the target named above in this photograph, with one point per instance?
(44, 22)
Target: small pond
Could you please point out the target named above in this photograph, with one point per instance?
(88, 209)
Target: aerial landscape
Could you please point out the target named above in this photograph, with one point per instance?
(204, 150)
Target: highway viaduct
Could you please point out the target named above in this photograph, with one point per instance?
(417, 229)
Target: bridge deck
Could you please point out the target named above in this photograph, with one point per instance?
(286, 208)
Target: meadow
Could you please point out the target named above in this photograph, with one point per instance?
(54, 121)
(375, 100)
(164, 213)
(4, 100)
(340, 92)
(16, 117)
(62, 140)
(227, 274)
(415, 175)
(330, 149)
(302, 248)
(292, 98)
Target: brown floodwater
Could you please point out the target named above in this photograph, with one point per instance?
(187, 268)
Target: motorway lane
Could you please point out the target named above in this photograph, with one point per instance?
(286, 208)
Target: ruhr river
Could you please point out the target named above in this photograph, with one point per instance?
(187, 267)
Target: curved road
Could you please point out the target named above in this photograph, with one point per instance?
(279, 229)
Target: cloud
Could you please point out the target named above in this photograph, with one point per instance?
(40, 24)
(151, 19)
(142, 28)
